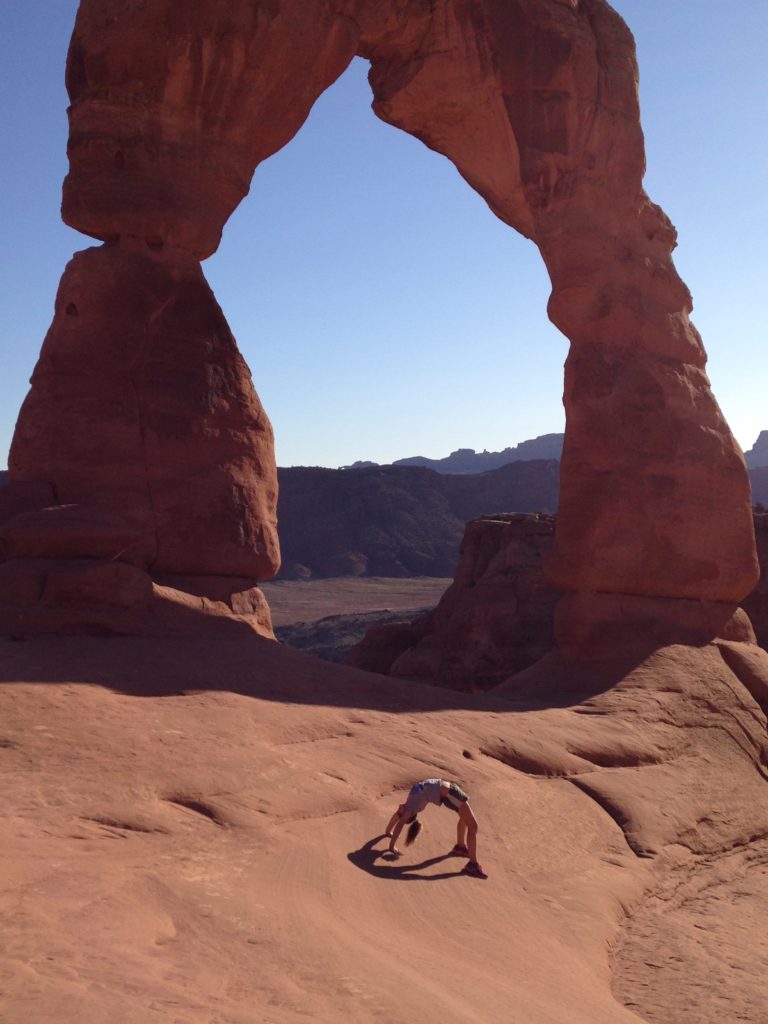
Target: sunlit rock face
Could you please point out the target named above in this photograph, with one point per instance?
(141, 402)
(535, 101)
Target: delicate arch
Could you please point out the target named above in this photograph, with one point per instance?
(535, 102)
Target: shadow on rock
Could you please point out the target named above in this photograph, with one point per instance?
(367, 858)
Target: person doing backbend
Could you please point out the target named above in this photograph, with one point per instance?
(445, 794)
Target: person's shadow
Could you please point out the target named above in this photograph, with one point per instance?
(367, 856)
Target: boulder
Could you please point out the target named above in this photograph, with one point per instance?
(70, 531)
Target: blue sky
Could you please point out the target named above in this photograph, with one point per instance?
(383, 310)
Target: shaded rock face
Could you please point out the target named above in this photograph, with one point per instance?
(82, 569)
(500, 615)
(756, 605)
(495, 619)
(535, 102)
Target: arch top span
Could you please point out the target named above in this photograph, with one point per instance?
(174, 106)
(535, 102)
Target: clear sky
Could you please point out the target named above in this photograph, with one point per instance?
(383, 310)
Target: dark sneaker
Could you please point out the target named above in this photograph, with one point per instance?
(459, 851)
(474, 869)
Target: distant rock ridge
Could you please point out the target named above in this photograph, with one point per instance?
(396, 521)
(757, 456)
(467, 460)
(545, 446)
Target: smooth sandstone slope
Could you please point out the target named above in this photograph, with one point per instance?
(193, 834)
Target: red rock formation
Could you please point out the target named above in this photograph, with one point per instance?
(756, 605)
(536, 104)
(141, 403)
(174, 106)
(496, 618)
(535, 101)
(75, 569)
(500, 615)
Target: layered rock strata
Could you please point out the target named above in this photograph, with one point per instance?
(535, 102)
(75, 568)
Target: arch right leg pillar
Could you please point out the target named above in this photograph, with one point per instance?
(655, 504)
(537, 105)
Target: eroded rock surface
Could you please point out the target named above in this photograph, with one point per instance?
(84, 569)
(496, 618)
(500, 614)
(141, 404)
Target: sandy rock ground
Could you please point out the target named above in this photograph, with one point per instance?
(294, 601)
(193, 835)
(328, 617)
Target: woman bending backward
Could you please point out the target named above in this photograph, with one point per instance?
(440, 793)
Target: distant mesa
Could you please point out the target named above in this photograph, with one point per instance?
(467, 460)
(396, 521)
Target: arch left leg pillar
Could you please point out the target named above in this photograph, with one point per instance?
(141, 408)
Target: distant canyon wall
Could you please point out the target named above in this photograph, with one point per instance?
(404, 520)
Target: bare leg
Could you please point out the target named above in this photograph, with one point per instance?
(472, 842)
(468, 820)
(461, 832)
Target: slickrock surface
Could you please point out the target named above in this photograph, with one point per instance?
(192, 832)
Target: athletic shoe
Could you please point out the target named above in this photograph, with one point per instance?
(474, 869)
(459, 851)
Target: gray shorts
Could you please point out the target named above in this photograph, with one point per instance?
(456, 797)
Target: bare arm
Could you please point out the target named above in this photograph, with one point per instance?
(402, 817)
(394, 819)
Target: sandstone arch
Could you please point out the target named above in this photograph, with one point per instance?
(535, 101)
